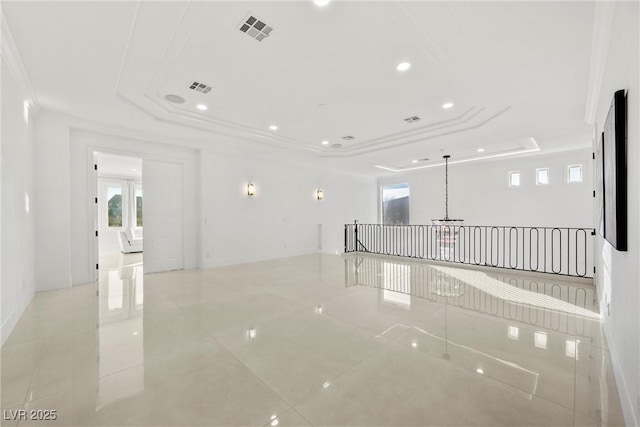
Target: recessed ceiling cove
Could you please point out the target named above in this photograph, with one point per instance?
(465, 155)
(502, 74)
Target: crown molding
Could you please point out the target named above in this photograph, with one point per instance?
(11, 57)
(602, 24)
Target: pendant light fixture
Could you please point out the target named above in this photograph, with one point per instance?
(446, 220)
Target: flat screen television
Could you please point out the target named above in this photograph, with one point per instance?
(613, 221)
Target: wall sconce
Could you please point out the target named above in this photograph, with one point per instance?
(251, 189)
(251, 333)
(319, 194)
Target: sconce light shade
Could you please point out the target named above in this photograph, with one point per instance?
(251, 189)
(319, 194)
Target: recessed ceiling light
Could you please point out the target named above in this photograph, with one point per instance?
(480, 371)
(273, 127)
(325, 142)
(480, 150)
(134, 170)
(321, 3)
(414, 161)
(403, 66)
(447, 105)
(201, 107)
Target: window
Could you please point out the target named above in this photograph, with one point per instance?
(114, 206)
(138, 206)
(542, 176)
(514, 179)
(395, 204)
(574, 173)
(120, 204)
(540, 339)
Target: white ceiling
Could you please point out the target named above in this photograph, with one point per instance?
(517, 73)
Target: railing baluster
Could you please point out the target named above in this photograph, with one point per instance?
(553, 250)
(565, 251)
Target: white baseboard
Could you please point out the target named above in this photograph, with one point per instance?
(12, 320)
(7, 326)
(626, 400)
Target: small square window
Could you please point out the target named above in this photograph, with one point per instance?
(540, 339)
(542, 176)
(574, 173)
(514, 179)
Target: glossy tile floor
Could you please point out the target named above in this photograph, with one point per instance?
(312, 340)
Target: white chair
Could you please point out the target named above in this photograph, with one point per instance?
(129, 241)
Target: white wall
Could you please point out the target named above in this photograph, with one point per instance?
(66, 250)
(17, 253)
(284, 216)
(617, 272)
(479, 194)
(53, 226)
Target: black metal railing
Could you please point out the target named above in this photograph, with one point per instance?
(555, 250)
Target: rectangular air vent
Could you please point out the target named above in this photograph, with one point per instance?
(200, 87)
(256, 28)
(412, 119)
(348, 137)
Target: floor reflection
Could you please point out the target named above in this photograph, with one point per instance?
(528, 332)
(287, 342)
(535, 300)
(120, 323)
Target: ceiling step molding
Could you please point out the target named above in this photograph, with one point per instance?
(440, 131)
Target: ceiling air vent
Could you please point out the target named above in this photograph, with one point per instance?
(348, 137)
(412, 119)
(256, 28)
(200, 87)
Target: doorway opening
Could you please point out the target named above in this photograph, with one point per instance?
(119, 224)
(119, 216)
